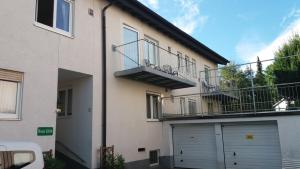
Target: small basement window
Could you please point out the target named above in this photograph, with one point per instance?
(64, 102)
(57, 14)
(154, 157)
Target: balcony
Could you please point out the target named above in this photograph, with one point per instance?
(237, 91)
(143, 60)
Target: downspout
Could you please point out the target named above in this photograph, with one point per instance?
(104, 88)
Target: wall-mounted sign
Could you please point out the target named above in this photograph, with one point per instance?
(249, 136)
(45, 131)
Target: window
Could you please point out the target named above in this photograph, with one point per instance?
(10, 97)
(64, 102)
(151, 51)
(154, 157)
(153, 106)
(180, 61)
(194, 69)
(192, 107)
(16, 159)
(210, 107)
(207, 76)
(187, 64)
(182, 105)
(56, 14)
(131, 50)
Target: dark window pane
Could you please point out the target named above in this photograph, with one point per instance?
(155, 107)
(45, 12)
(70, 100)
(153, 157)
(148, 106)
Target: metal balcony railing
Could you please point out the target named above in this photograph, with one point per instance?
(238, 89)
(147, 53)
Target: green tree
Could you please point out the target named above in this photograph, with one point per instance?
(286, 67)
(260, 79)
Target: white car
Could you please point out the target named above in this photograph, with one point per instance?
(20, 155)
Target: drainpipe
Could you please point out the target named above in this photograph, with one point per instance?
(104, 93)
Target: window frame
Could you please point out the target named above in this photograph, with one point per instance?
(54, 27)
(180, 61)
(187, 64)
(126, 26)
(193, 102)
(159, 110)
(150, 40)
(19, 95)
(182, 103)
(158, 155)
(206, 70)
(66, 113)
(194, 68)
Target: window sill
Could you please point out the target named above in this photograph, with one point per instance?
(55, 30)
(9, 117)
(153, 120)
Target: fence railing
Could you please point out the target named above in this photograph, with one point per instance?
(281, 97)
(244, 88)
(148, 53)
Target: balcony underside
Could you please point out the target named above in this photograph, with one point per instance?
(155, 77)
(221, 96)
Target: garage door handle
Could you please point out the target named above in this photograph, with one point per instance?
(234, 154)
(181, 152)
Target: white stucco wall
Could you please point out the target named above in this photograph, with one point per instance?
(39, 53)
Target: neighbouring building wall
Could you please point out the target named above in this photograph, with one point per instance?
(39, 53)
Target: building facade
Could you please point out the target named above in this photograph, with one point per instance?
(157, 81)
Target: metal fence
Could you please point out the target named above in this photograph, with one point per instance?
(148, 53)
(232, 89)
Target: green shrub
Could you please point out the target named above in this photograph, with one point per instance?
(52, 163)
(115, 162)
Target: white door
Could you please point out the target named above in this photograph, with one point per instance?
(252, 146)
(195, 146)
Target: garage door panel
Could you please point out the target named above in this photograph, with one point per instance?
(252, 146)
(195, 146)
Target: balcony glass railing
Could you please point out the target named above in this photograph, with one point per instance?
(147, 53)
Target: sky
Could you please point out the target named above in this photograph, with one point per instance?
(239, 30)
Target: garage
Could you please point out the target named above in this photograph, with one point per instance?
(236, 146)
(251, 146)
(195, 146)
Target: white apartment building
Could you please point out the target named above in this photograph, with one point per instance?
(78, 75)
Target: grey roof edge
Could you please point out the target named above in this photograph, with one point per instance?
(142, 12)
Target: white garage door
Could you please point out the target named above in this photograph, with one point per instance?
(251, 146)
(195, 146)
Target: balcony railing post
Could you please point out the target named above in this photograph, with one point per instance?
(252, 87)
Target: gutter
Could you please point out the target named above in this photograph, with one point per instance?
(104, 85)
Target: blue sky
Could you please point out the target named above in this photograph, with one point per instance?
(237, 29)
